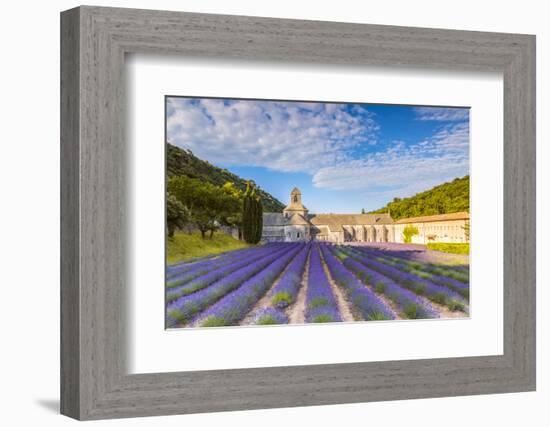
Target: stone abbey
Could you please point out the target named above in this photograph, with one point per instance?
(296, 223)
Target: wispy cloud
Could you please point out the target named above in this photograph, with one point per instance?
(441, 114)
(283, 136)
(403, 169)
(337, 144)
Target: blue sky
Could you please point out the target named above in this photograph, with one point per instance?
(343, 157)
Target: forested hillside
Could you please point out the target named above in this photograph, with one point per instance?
(450, 197)
(184, 162)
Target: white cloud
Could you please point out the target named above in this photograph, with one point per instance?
(403, 170)
(441, 114)
(284, 136)
(322, 140)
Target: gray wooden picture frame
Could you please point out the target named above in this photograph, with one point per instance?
(94, 41)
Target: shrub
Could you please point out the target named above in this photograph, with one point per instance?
(409, 232)
(451, 248)
(281, 299)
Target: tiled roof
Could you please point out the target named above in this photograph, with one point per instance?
(434, 218)
(297, 219)
(273, 219)
(350, 219)
(334, 222)
(321, 231)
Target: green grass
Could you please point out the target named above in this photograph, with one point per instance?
(185, 246)
(444, 271)
(281, 299)
(377, 316)
(451, 248)
(212, 322)
(322, 318)
(268, 320)
(317, 302)
(380, 287)
(412, 311)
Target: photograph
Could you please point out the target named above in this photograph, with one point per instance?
(286, 212)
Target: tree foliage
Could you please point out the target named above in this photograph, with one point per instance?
(252, 216)
(209, 206)
(184, 163)
(449, 197)
(177, 215)
(408, 232)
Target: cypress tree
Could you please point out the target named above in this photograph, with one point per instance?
(252, 216)
(259, 219)
(247, 215)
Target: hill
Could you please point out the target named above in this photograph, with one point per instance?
(184, 162)
(449, 197)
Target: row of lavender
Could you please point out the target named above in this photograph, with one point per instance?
(456, 278)
(421, 260)
(409, 289)
(186, 302)
(224, 290)
(205, 273)
(217, 299)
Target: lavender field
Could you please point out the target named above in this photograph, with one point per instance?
(297, 283)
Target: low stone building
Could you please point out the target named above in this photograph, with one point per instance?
(445, 228)
(295, 224)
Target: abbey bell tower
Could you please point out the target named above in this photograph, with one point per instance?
(295, 206)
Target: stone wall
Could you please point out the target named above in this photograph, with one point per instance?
(437, 231)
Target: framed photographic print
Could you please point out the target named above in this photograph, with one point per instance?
(349, 209)
(238, 256)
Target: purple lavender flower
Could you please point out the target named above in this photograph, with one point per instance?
(184, 273)
(424, 260)
(438, 294)
(417, 269)
(321, 305)
(364, 300)
(217, 273)
(323, 314)
(232, 308)
(185, 308)
(184, 266)
(409, 304)
(285, 291)
(269, 316)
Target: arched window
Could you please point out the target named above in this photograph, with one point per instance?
(295, 199)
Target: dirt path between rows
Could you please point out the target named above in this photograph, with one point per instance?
(384, 298)
(341, 301)
(297, 312)
(264, 302)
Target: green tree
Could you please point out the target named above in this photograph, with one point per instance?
(252, 216)
(259, 219)
(184, 163)
(177, 215)
(449, 197)
(408, 232)
(233, 202)
(209, 206)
